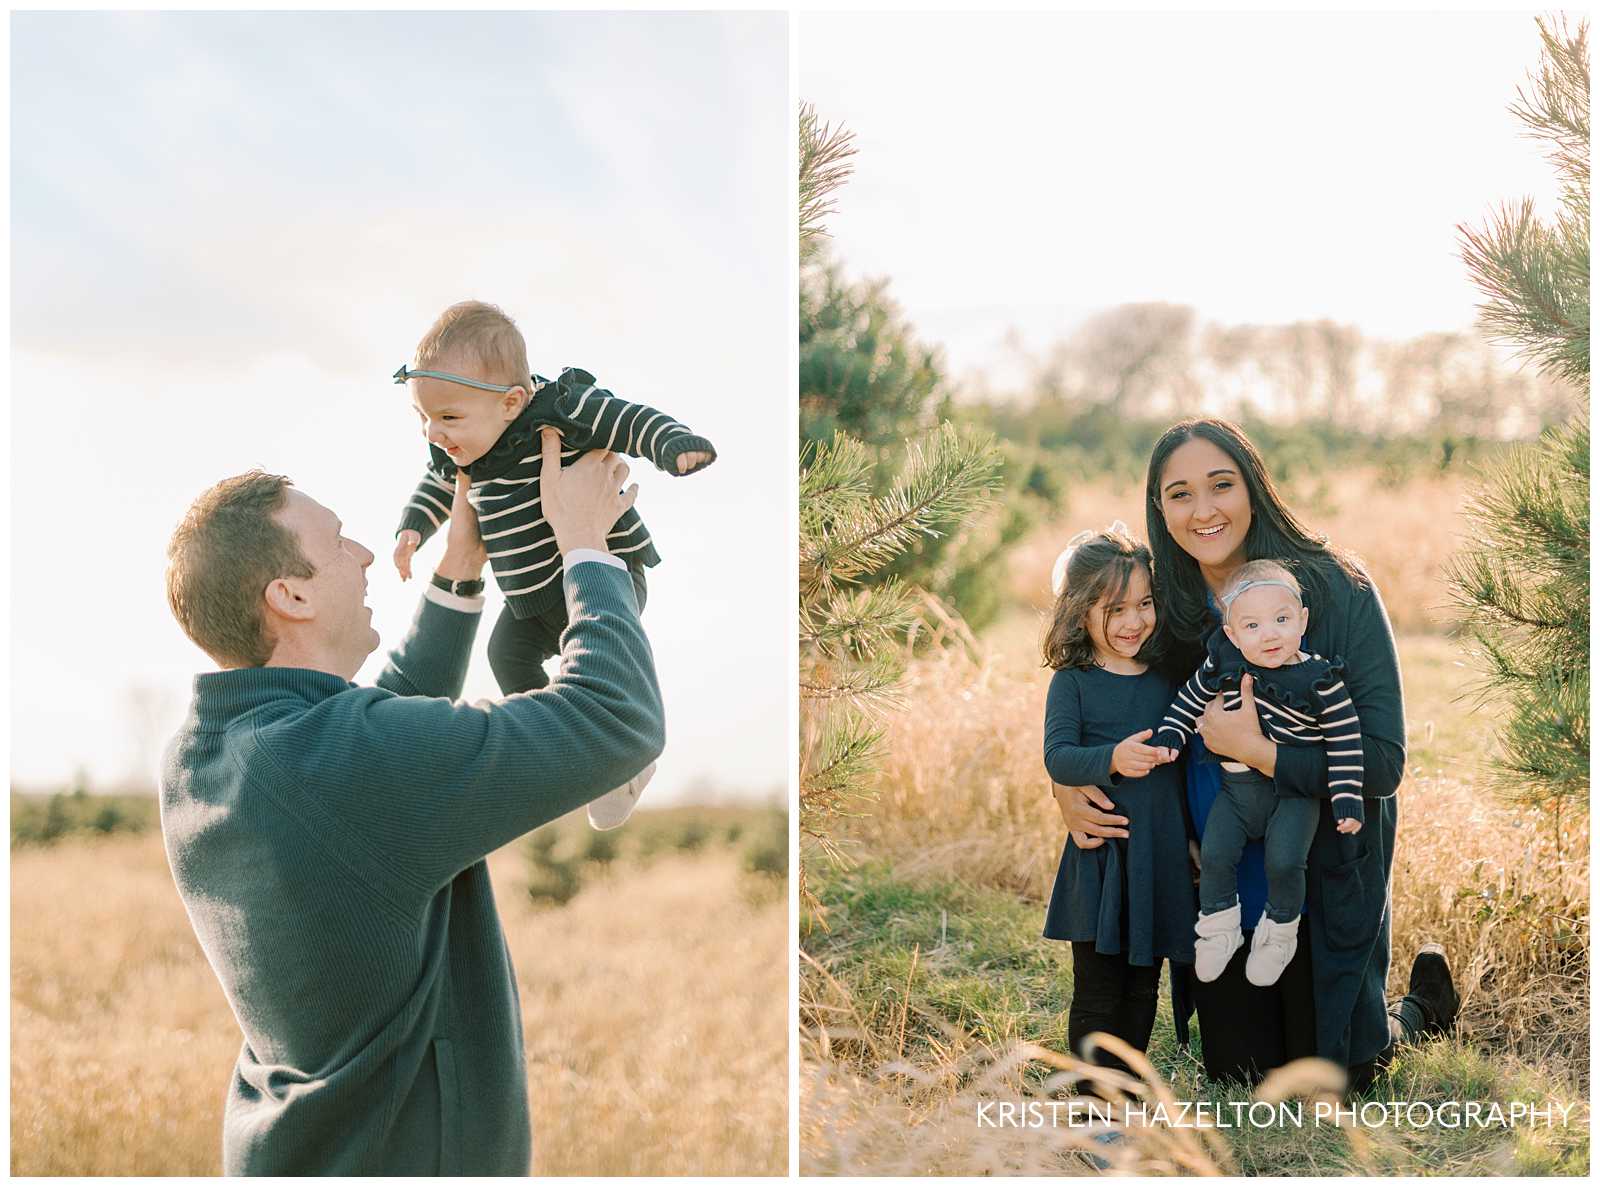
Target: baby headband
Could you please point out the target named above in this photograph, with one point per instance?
(405, 373)
(1227, 598)
(1058, 571)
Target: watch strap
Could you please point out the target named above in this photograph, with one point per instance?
(465, 589)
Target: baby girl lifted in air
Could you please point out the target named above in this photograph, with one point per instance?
(1301, 701)
(482, 412)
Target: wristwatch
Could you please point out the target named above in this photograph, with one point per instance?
(467, 589)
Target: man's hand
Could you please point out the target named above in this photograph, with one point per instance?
(464, 553)
(1088, 825)
(582, 502)
(405, 547)
(688, 461)
(1348, 825)
(1132, 759)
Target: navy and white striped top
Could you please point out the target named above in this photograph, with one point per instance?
(505, 483)
(1303, 704)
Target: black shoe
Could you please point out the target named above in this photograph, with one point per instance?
(1433, 991)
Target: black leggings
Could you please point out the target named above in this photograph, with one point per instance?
(1246, 1030)
(1112, 995)
(519, 647)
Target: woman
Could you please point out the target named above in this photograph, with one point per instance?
(1211, 506)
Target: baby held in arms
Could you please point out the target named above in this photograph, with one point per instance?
(482, 412)
(1301, 701)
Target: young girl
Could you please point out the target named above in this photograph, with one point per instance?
(1128, 903)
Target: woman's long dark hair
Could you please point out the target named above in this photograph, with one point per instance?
(1103, 564)
(1182, 619)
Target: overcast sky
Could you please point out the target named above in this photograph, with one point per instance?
(1027, 169)
(229, 229)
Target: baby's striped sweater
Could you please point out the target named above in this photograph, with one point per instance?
(505, 483)
(1303, 704)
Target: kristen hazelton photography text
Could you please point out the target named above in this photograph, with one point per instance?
(1253, 534)
(423, 827)
(1261, 1114)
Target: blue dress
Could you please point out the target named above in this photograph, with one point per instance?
(1132, 895)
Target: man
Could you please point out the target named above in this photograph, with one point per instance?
(329, 840)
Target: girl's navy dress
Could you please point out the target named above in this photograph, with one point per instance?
(1132, 896)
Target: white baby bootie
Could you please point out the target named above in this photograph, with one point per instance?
(613, 809)
(1217, 938)
(1271, 950)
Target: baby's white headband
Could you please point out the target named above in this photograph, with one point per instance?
(1058, 571)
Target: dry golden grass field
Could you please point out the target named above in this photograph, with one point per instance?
(930, 990)
(654, 1005)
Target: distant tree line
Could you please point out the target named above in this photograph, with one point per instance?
(1155, 361)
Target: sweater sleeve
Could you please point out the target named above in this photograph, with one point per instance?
(604, 422)
(431, 661)
(1178, 726)
(428, 507)
(420, 788)
(1341, 732)
(1066, 758)
(1372, 678)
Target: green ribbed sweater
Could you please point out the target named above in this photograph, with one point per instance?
(328, 841)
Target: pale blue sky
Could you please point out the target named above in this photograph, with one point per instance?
(1023, 170)
(229, 229)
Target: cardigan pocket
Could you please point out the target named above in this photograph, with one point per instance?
(1344, 908)
(444, 1061)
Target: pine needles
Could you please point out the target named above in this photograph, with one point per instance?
(1535, 274)
(1523, 583)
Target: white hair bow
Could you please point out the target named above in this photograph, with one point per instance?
(1058, 571)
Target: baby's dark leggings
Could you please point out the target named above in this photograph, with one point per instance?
(1112, 995)
(519, 647)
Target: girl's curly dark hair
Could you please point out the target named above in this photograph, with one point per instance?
(1103, 564)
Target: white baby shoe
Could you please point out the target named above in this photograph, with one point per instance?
(613, 809)
(1271, 950)
(1217, 938)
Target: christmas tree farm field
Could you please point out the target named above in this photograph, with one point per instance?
(653, 995)
(930, 991)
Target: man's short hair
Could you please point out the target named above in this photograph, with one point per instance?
(479, 337)
(225, 552)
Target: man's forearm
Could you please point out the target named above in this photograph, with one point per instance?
(460, 564)
(431, 661)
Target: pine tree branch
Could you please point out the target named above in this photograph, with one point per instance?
(824, 155)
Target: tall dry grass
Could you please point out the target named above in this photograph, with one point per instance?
(654, 1006)
(963, 795)
(1404, 533)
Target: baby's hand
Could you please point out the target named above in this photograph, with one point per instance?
(1348, 825)
(688, 461)
(407, 544)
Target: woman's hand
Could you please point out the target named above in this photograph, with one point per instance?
(1089, 825)
(1236, 733)
(1132, 759)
